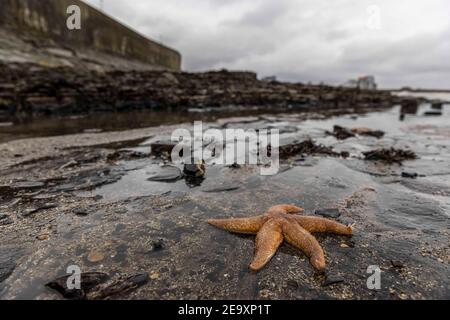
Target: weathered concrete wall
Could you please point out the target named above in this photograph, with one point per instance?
(47, 19)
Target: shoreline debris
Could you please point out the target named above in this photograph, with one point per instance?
(391, 155)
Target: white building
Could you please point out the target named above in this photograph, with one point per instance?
(367, 83)
(363, 83)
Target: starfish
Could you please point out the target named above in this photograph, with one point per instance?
(281, 223)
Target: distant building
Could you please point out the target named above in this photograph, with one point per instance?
(363, 83)
(367, 83)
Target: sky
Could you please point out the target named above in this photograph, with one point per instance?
(401, 42)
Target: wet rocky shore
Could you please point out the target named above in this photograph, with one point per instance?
(31, 89)
(104, 202)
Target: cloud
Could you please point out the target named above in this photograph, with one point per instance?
(302, 40)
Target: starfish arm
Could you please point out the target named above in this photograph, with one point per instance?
(240, 225)
(268, 240)
(317, 224)
(303, 240)
(285, 208)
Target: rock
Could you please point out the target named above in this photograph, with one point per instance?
(167, 173)
(47, 206)
(409, 106)
(341, 133)
(95, 256)
(157, 245)
(390, 155)
(436, 105)
(369, 132)
(397, 264)
(6, 269)
(122, 286)
(410, 175)
(345, 154)
(194, 174)
(328, 213)
(197, 170)
(89, 280)
(5, 220)
(331, 280)
(28, 185)
(433, 113)
(162, 149)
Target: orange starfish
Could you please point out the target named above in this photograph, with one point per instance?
(280, 223)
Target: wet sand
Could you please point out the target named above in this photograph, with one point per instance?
(94, 207)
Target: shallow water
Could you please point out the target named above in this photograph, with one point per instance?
(40, 126)
(427, 136)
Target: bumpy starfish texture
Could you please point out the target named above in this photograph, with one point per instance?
(281, 223)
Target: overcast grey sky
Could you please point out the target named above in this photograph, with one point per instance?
(401, 42)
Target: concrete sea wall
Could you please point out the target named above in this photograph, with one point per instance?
(46, 19)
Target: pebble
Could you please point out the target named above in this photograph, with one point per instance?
(154, 276)
(42, 237)
(95, 256)
(403, 296)
(410, 175)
